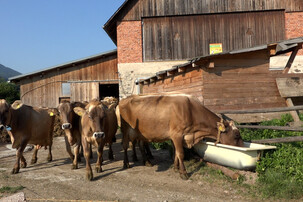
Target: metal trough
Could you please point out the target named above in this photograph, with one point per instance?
(242, 158)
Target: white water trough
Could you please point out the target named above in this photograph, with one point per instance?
(242, 158)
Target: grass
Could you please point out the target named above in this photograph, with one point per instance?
(8, 189)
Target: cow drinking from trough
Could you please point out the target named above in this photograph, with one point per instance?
(180, 118)
(28, 125)
(98, 126)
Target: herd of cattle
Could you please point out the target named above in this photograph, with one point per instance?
(142, 118)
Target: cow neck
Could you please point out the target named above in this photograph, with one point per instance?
(9, 120)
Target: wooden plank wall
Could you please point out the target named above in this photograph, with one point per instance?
(189, 83)
(171, 38)
(241, 81)
(45, 90)
(151, 8)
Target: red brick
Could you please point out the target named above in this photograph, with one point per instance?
(294, 26)
(129, 42)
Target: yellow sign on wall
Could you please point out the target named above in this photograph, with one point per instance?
(215, 48)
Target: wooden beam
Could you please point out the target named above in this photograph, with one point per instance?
(160, 76)
(171, 73)
(272, 49)
(194, 65)
(252, 111)
(210, 65)
(280, 140)
(234, 175)
(182, 69)
(153, 79)
(291, 59)
(294, 114)
(285, 128)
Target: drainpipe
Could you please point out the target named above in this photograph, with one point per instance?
(138, 84)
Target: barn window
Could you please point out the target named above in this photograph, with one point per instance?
(65, 89)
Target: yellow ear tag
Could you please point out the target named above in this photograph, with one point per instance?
(51, 114)
(221, 128)
(18, 106)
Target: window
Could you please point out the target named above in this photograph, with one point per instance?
(65, 89)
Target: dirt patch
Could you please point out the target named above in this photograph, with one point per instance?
(55, 181)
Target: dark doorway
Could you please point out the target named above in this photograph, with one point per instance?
(106, 90)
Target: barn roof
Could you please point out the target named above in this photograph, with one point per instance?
(64, 65)
(275, 48)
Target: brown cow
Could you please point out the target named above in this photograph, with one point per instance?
(98, 126)
(29, 125)
(180, 118)
(71, 126)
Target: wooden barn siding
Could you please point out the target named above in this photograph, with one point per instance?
(45, 91)
(237, 82)
(189, 83)
(172, 38)
(151, 8)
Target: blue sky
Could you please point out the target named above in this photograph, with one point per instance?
(37, 34)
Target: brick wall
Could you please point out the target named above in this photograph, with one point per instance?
(129, 42)
(294, 26)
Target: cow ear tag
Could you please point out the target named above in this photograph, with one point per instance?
(221, 127)
(51, 114)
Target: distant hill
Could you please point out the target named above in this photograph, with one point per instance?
(6, 72)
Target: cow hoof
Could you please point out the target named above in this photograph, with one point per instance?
(148, 164)
(89, 176)
(34, 160)
(184, 176)
(23, 164)
(99, 169)
(15, 171)
(125, 166)
(74, 167)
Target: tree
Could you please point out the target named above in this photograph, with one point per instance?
(9, 91)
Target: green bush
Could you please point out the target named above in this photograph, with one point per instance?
(9, 91)
(280, 171)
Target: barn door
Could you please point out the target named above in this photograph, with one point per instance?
(84, 91)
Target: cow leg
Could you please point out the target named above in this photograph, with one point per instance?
(179, 157)
(23, 162)
(146, 161)
(99, 159)
(125, 142)
(68, 148)
(19, 155)
(34, 156)
(77, 156)
(134, 151)
(50, 156)
(89, 172)
(91, 151)
(110, 152)
(148, 152)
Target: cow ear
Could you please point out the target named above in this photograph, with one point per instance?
(53, 112)
(17, 104)
(79, 111)
(221, 126)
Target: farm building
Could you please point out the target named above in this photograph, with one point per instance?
(80, 80)
(235, 80)
(154, 35)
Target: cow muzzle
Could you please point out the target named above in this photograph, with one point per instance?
(2, 127)
(66, 126)
(98, 135)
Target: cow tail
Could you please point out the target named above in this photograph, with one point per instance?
(118, 116)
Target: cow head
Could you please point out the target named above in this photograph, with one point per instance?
(4, 114)
(93, 115)
(66, 113)
(229, 134)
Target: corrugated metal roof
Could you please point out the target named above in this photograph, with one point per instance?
(64, 65)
